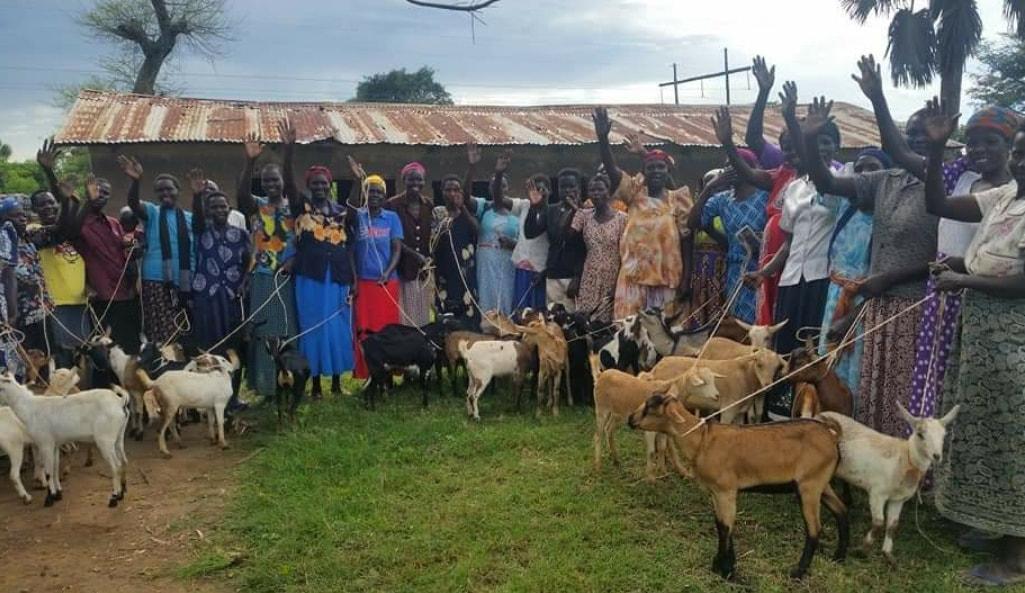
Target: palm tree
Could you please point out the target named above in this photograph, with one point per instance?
(932, 40)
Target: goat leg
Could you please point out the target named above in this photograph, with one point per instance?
(725, 561)
(838, 509)
(893, 509)
(810, 498)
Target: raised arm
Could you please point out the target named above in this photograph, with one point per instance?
(536, 223)
(252, 148)
(788, 107)
(70, 206)
(894, 143)
(939, 125)
(295, 197)
(722, 123)
(497, 194)
(76, 220)
(133, 169)
(602, 129)
(716, 185)
(47, 159)
(473, 156)
(825, 181)
(359, 175)
(197, 182)
(766, 77)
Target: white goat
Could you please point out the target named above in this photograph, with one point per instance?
(489, 359)
(97, 416)
(887, 468)
(209, 391)
(14, 438)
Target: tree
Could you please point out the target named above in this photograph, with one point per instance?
(1002, 81)
(21, 177)
(5, 151)
(934, 40)
(399, 86)
(150, 31)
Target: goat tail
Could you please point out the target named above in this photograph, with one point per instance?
(831, 424)
(236, 362)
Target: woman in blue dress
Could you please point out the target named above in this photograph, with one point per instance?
(499, 227)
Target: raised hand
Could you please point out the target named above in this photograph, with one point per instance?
(473, 153)
(788, 99)
(286, 131)
(356, 168)
(92, 188)
(47, 155)
(502, 164)
(633, 143)
(722, 123)
(197, 180)
(818, 117)
(68, 185)
(534, 193)
(871, 79)
(939, 124)
(252, 146)
(130, 166)
(765, 76)
(602, 123)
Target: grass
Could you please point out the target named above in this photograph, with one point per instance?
(404, 499)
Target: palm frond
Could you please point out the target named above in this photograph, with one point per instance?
(958, 34)
(1014, 11)
(912, 48)
(860, 10)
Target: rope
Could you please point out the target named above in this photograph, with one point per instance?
(725, 312)
(704, 420)
(313, 327)
(834, 355)
(97, 328)
(246, 320)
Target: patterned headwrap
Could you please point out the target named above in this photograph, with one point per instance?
(878, 154)
(413, 166)
(1001, 120)
(318, 170)
(659, 155)
(8, 203)
(376, 180)
(749, 157)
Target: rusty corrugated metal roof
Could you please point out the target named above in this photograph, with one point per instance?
(100, 117)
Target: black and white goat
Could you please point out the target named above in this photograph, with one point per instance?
(399, 347)
(630, 349)
(293, 372)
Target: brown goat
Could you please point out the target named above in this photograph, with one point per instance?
(828, 394)
(548, 340)
(726, 459)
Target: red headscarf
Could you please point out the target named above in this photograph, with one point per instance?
(659, 155)
(318, 170)
(414, 166)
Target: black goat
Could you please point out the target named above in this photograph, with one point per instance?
(400, 347)
(293, 372)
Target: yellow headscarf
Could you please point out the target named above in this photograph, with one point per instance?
(376, 180)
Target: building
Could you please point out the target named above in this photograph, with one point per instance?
(173, 135)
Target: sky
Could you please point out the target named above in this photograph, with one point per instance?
(529, 52)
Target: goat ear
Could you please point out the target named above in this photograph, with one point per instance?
(906, 414)
(950, 415)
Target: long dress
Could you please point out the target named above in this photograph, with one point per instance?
(737, 215)
(455, 250)
(496, 274)
(709, 278)
(772, 240)
(651, 261)
(221, 256)
(376, 305)
(601, 265)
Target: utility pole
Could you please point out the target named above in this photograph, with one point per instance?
(726, 71)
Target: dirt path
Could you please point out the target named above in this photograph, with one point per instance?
(81, 545)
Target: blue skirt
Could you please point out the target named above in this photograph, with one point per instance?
(276, 319)
(329, 347)
(529, 290)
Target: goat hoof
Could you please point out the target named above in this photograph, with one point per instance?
(166, 454)
(49, 500)
(890, 560)
(27, 499)
(113, 501)
(225, 446)
(59, 495)
(88, 463)
(797, 574)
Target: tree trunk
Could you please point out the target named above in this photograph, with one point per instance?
(146, 79)
(950, 88)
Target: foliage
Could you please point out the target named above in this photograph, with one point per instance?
(1002, 80)
(406, 499)
(399, 86)
(25, 177)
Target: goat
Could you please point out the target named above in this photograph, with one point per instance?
(726, 459)
(669, 341)
(208, 391)
(400, 347)
(828, 393)
(293, 371)
(618, 394)
(496, 323)
(14, 437)
(496, 358)
(97, 416)
(630, 348)
(887, 468)
(740, 378)
(453, 360)
(549, 342)
(582, 334)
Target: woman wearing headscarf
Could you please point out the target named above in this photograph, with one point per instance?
(378, 249)
(499, 229)
(34, 302)
(272, 224)
(416, 213)
(979, 483)
(654, 248)
(989, 132)
(323, 267)
(9, 205)
(168, 262)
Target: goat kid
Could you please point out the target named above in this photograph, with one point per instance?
(293, 372)
(827, 392)
(14, 437)
(496, 358)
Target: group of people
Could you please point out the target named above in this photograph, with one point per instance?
(908, 264)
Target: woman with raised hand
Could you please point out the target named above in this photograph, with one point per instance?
(455, 246)
(168, 261)
(601, 227)
(272, 232)
(499, 229)
(378, 249)
(416, 213)
(656, 241)
(323, 267)
(979, 483)
(530, 256)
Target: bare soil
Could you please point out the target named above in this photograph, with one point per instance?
(81, 545)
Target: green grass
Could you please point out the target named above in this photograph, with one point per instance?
(404, 499)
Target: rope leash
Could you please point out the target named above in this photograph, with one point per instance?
(98, 327)
(255, 312)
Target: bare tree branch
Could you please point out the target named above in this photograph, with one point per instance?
(474, 7)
